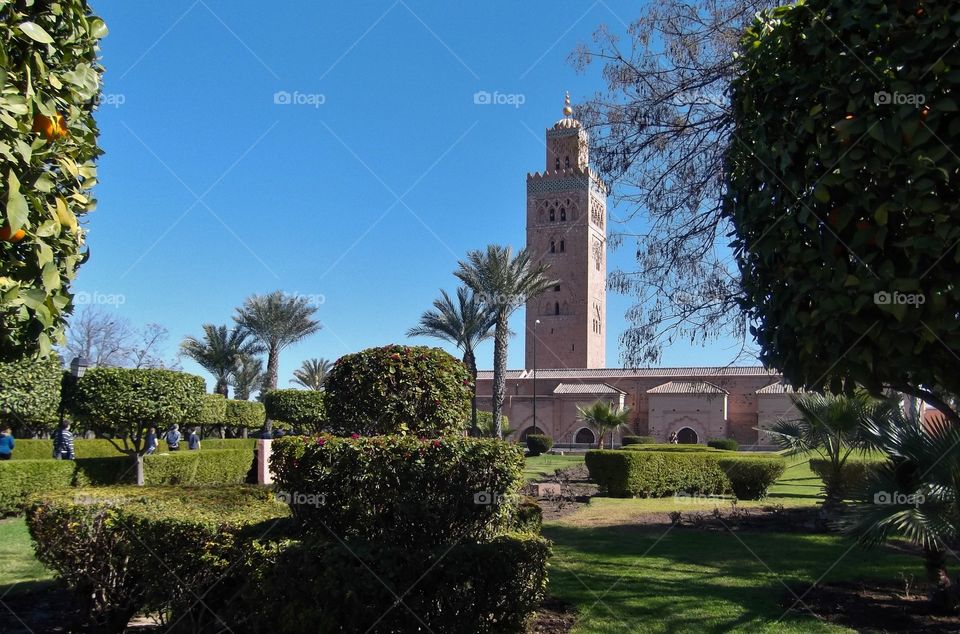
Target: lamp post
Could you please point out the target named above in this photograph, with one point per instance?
(535, 324)
(78, 367)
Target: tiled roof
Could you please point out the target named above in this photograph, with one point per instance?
(687, 387)
(586, 388)
(626, 373)
(777, 388)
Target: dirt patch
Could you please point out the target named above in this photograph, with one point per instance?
(873, 607)
(773, 518)
(575, 492)
(553, 617)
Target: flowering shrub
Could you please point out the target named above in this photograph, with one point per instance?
(398, 389)
(401, 489)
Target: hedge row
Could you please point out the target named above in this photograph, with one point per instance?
(671, 447)
(19, 478)
(661, 473)
(401, 489)
(626, 441)
(40, 449)
(853, 475)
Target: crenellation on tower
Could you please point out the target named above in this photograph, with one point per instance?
(566, 228)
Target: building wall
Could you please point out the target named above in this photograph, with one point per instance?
(770, 408)
(703, 413)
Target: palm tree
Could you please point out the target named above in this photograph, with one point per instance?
(604, 417)
(915, 493)
(276, 320)
(312, 373)
(247, 378)
(466, 324)
(219, 352)
(832, 427)
(504, 282)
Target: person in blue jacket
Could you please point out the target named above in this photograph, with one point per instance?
(6, 444)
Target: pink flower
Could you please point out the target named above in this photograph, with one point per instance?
(354, 435)
(321, 441)
(436, 443)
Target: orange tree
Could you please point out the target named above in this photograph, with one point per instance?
(842, 186)
(48, 143)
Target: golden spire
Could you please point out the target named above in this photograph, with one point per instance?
(567, 110)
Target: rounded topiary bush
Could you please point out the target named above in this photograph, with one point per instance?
(398, 389)
(302, 409)
(245, 415)
(30, 394)
(728, 444)
(538, 444)
(637, 440)
(213, 410)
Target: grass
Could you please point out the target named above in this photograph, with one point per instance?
(18, 566)
(546, 465)
(631, 579)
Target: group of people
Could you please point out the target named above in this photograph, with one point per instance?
(63, 441)
(173, 438)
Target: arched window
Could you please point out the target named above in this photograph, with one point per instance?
(566, 161)
(585, 437)
(556, 308)
(553, 246)
(687, 436)
(562, 246)
(553, 215)
(563, 214)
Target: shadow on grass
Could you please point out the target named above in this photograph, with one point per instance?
(684, 579)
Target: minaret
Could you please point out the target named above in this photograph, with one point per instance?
(566, 228)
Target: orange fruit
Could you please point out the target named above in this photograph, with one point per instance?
(924, 112)
(11, 236)
(52, 128)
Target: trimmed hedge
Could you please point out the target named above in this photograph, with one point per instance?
(302, 409)
(245, 414)
(20, 478)
(399, 389)
(727, 444)
(124, 401)
(404, 490)
(466, 588)
(30, 394)
(853, 475)
(128, 550)
(661, 473)
(42, 449)
(213, 410)
(539, 444)
(637, 440)
(670, 447)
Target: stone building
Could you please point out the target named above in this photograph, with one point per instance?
(566, 330)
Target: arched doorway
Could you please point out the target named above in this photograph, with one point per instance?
(528, 431)
(687, 436)
(585, 437)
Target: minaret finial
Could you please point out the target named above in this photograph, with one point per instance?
(567, 110)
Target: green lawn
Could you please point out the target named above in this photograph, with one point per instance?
(547, 464)
(630, 579)
(18, 567)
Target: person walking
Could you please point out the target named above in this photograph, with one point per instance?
(6, 444)
(150, 445)
(674, 438)
(173, 438)
(63, 443)
(193, 440)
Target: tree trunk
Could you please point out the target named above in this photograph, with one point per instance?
(222, 387)
(501, 337)
(270, 383)
(944, 593)
(470, 360)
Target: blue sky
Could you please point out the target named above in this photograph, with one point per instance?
(362, 193)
